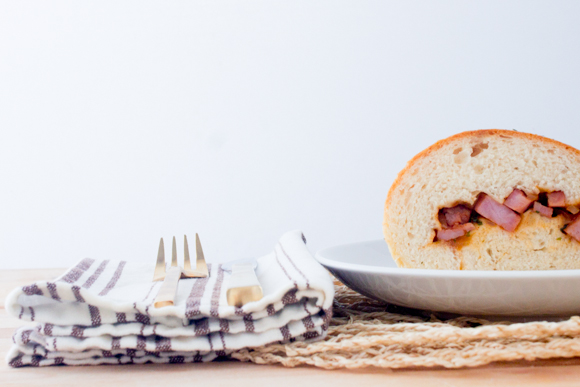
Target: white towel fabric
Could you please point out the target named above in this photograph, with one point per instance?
(101, 312)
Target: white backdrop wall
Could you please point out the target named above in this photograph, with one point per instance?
(125, 121)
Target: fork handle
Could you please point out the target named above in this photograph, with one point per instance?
(243, 285)
(168, 289)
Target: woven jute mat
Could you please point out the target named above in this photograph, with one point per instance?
(364, 333)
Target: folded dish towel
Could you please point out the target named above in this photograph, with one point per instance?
(101, 312)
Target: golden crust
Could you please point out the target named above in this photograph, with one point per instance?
(460, 136)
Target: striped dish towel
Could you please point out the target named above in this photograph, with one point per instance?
(101, 312)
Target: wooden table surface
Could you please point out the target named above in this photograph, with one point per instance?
(558, 372)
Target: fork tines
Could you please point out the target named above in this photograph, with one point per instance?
(200, 269)
(200, 265)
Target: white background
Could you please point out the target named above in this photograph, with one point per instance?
(122, 122)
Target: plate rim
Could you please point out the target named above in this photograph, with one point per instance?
(435, 273)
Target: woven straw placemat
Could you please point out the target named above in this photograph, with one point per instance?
(364, 333)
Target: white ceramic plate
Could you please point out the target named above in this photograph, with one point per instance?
(368, 268)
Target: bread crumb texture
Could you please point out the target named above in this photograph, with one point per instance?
(454, 171)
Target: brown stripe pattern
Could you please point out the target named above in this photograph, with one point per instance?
(162, 344)
(25, 337)
(76, 272)
(290, 297)
(201, 327)
(326, 317)
(35, 361)
(77, 293)
(310, 335)
(285, 333)
(32, 290)
(121, 318)
(249, 322)
(224, 325)
(113, 280)
(307, 321)
(91, 280)
(176, 359)
(210, 343)
(78, 331)
(215, 296)
(48, 329)
(223, 340)
(95, 315)
(150, 290)
(294, 265)
(116, 343)
(283, 268)
(52, 290)
(194, 300)
(142, 318)
(141, 343)
(16, 362)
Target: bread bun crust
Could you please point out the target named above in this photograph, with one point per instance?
(455, 170)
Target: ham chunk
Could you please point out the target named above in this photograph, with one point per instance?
(501, 215)
(543, 210)
(454, 232)
(556, 199)
(573, 229)
(456, 215)
(518, 201)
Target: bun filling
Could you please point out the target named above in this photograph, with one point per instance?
(459, 221)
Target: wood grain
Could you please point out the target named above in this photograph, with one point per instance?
(558, 372)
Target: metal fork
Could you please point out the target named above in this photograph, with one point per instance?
(167, 291)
